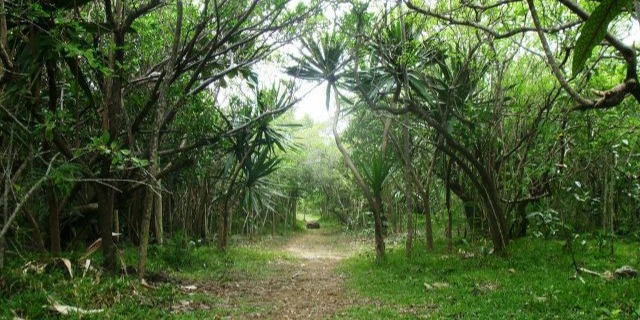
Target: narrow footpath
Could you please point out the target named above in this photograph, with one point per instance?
(306, 286)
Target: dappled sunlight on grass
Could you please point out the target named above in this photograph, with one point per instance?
(533, 283)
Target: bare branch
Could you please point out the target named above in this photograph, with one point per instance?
(552, 61)
(485, 28)
(26, 198)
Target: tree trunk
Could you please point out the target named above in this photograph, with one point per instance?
(158, 215)
(37, 234)
(5, 197)
(113, 107)
(448, 230)
(223, 229)
(105, 217)
(408, 190)
(154, 141)
(497, 222)
(54, 220)
(428, 224)
(116, 221)
(375, 203)
(378, 228)
(273, 224)
(144, 227)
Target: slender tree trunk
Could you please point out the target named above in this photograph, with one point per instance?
(375, 202)
(154, 156)
(497, 222)
(158, 215)
(448, 205)
(37, 234)
(5, 197)
(273, 224)
(113, 108)
(223, 229)
(428, 224)
(523, 223)
(105, 218)
(54, 219)
(116, 221)
(408, 190)
(144, 227)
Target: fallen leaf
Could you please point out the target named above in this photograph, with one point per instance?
(87, 265)
(188, 288)
(144, 283)
(67, 265)
(66, 310)
(92, 248)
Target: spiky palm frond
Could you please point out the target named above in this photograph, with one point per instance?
(376, 172)
(322, 59)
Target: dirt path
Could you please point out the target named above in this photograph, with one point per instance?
(308, 286)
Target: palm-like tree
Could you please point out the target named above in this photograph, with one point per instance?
(324, 59)
(252, 156)
(438, 89)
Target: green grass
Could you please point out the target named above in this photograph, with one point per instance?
(27, 295)
(533, 283)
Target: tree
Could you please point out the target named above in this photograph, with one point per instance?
(324, 59)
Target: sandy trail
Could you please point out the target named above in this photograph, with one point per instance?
(305, 287)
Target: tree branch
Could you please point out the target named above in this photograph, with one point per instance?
(551, 59)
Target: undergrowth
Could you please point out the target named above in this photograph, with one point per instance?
(534, 282)
(30, 286)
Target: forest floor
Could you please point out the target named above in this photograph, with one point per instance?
(304, 284)
(332, 274)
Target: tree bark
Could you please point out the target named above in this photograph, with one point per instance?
(158, 215)
(153, 188)
(375, 203)
(54, 219)
(408, 190)
(428, 224)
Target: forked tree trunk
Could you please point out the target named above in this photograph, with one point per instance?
(497, 222)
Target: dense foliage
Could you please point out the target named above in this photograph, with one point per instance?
(125, 123)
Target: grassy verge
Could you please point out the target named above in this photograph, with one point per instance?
(533, 283)
(29, 293)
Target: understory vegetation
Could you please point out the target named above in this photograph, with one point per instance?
(537, 281)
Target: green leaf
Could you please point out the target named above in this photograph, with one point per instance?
(594, 30)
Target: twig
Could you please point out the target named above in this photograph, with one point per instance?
(35, 187)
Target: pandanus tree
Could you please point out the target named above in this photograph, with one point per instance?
(324, 58)
(405, 72)
(252, 156)
(384, 80)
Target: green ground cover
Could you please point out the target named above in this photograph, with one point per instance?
(534, 282)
